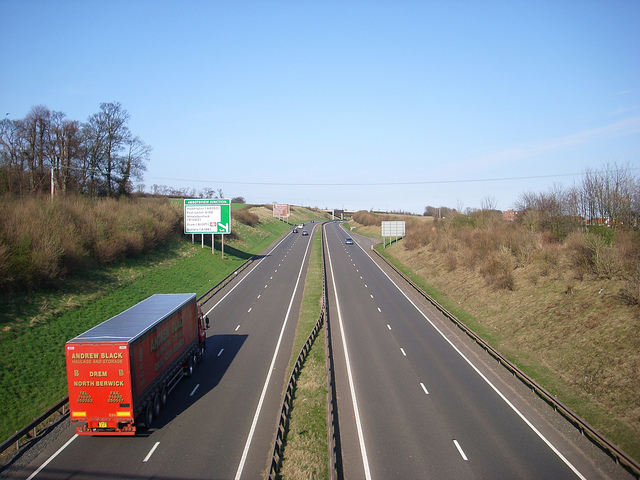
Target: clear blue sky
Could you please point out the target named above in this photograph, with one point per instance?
(363, 104)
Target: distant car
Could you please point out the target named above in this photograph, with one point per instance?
(348, 241)
(295, 230)
(304, 232)
(301, 225)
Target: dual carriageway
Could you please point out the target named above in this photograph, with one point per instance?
(415, 398)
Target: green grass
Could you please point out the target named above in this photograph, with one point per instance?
(305, 449)
(36, 325)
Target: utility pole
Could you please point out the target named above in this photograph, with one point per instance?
(53, 187)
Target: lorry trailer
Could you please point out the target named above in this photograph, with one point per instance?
(120, 372)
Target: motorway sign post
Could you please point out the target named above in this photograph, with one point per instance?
(392, 229)
(208, 215)
(281, 210)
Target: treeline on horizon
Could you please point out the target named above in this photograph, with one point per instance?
(609, 196)
(47, 151)
(590, 229)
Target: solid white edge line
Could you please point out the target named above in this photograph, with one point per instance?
(460, 451)
(245, 452)
(52, 457)
(153, 449)
(495, 389)
(356, 411)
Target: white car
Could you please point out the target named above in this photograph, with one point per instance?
(348, 241)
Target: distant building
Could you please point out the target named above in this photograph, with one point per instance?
(510, 215)
(600, 221)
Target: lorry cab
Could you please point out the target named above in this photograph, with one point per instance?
(203, 326)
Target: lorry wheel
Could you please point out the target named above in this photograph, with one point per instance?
(149, 415)
(163, 395)
(156, 406)
(190, 367)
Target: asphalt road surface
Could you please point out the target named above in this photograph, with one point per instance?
(416, 399)
(220, 423)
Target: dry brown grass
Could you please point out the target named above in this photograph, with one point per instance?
(246, 216)
(42, 241)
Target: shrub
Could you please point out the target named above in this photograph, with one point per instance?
(245, 216)
(630, 292)
(451, 261)
(580, 255)
(367, 218)
(604, 258)
(418, 234)
(42, 240)
(497, 270)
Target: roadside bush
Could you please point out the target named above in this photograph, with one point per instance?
(418, 234)
(451, 261)
(497, 270)
(133, 243)
(580, 256)
(42, 241)
(245, 216)
(523, 246)
(630, 292)
(367, 219)
(604, 259)
(627, 243)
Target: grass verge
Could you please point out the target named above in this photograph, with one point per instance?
(305, 447)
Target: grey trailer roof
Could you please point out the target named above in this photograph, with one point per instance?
(130, 324)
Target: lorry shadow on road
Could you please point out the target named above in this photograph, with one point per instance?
(221, 352)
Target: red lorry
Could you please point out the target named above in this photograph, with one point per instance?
(120, 372)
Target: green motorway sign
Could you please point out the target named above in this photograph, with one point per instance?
(207, 215)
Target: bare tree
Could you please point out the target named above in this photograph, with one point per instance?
(11, 159)
(64, 146)
(208, 193)
(610, 194)
(108, 136)
(34, 132)
(131, 164)
(488, 203)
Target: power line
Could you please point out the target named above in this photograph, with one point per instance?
(374, 184)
